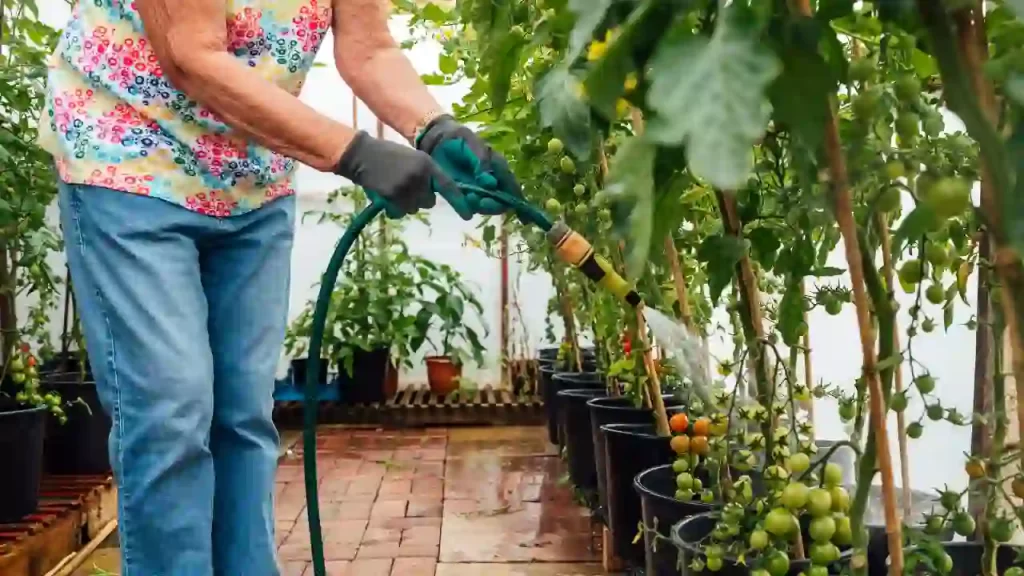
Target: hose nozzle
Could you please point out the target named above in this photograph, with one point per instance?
(576, 251)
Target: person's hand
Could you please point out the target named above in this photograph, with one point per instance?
(406, 179)
(469, 160)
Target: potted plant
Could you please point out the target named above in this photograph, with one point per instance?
(27, 286)
(444, 311)
(371, 326)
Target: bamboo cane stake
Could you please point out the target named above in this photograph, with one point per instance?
(843, 208)
(808, 372)
(901, 426)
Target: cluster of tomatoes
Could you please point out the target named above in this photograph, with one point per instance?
(690, 438)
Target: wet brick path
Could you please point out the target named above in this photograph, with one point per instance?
(436, 502)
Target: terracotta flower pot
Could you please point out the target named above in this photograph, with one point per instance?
(443, 375)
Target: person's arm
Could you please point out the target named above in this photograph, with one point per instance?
(373, 65)
(189, 38)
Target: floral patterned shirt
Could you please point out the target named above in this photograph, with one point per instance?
(113, 120)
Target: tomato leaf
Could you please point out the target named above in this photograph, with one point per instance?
(710, 95)
(1013, 203)
(720, 253)
(562, 110)
(589, 15)
(764, 245)
(631, 189)
(800, 95)
(919, 222)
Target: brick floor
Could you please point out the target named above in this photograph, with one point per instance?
(435, 502)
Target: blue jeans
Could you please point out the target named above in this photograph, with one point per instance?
(184, 318)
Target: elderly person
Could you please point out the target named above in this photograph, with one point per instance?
(175, 127)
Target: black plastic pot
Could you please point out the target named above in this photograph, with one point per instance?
(299, 366)
(922, 504)
(367, 383)
(560, 380)
(629, 450)
(615, 410)
(22, 431)
(688, 534)
(79, 446)
(966, 559)
(547, 372)
(574, 418)
(661, 511)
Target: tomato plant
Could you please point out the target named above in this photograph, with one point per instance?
(28, 286)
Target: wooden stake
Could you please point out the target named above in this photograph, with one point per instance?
(679, 280)
(808, 373)
(901, 426)
(839, 191)
(653, 380)
(506, 373)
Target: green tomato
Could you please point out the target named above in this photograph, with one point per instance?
(1001, 530)
(680, 465)
(555, 146)
(914, 430)
(18, 377)
(758, 539)
(780, 522)
(895, 169)
(844, 531)
(1014, 571)
(907, 89)
(944, 563)
(714, 563)
(862, 70)
(833, 474)
(908, 126)
(517, 32)
(822, 529)
(949, 197)
(898, 402)
(846, 411)
(936, 254)
(933, 125)
(935, 412)
(963, 524)
(707, 496)
(798, 463)
(925, 383)
(579, 189)
(866, 104)
(16, 364)
(928, 325)
(777, 563)
(823, 553)
(935, 293)
(553, 205)
(819, 502)
(911, 272)
(684, 481)
(794, 495)
(890, 199)
(817, 571)
(567, 165)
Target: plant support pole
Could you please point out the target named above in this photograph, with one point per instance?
(839, 192)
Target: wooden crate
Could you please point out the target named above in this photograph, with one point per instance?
(72, 510)
(417, 406)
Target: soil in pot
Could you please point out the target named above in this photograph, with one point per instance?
(443, 375)
(629, 450)
(615, 410)
(574, 416)
(966, 558)
(661, 511)
(66, 363)
(690, 533)
(22, 431)
(374, 378)
(80, 445)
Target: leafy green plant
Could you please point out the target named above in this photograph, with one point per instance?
(444, 310)
(27, 188)
(386, 297)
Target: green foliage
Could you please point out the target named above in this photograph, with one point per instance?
(388, 298)
(27, 188)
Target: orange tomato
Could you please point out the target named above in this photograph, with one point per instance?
(680, 444)
(975, 468)
(702, 427)
(679, 423)
(699, 445)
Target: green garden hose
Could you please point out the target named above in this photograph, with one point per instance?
(569, 246)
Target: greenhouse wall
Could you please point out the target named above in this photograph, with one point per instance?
(836, 349)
